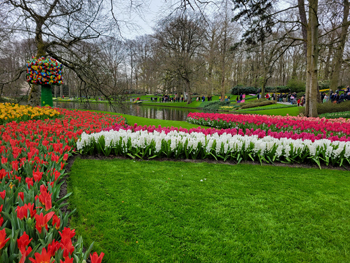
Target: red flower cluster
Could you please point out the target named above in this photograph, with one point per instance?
(33, 156)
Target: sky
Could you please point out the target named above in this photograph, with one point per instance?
(146, 19)
(151, 12)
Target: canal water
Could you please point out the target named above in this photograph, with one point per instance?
(152, 112)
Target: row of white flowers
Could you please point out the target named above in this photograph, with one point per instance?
(144, 144)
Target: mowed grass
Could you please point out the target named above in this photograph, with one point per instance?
(150, 211)
(291, 111)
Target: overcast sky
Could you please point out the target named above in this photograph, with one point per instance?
(146, 19)
(151, 12)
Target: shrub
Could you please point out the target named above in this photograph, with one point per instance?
(300, 94)
(324, 85)
(345, 114)
(245, 90)
(282, 89)
(329, 107)
(269, 89)
(296, 85)
(214, 106)
(258, 103)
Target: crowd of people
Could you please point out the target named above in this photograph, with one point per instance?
(177, 98)
(335, 97)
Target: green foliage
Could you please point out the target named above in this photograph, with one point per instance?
(324, 84)
(291, 111)
(244, 90)
(282, 89)
(296, 85)
(344, 114)
(300, 94)
(214, 106)
(140, 211)
(257, 103)
(251, 90)
(331, 107)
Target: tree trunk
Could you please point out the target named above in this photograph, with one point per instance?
(188, 89)
(328, 60)
(302, 14)
(312, 59)
(35, 91)
(338, 57)
(223, 61)
(264, 69)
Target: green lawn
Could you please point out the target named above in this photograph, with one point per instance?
(291, 111)
(277, 105)
(150, 211)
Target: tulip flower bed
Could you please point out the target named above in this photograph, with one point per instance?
(34, 154)
(14, 112)
(322, 127)
(149, 142)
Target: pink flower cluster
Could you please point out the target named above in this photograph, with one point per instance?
(233, 131)
(326, 127)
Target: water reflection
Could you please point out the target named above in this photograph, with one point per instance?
(152, 112)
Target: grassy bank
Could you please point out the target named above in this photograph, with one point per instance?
(131, 120)
(154, 211)
(282, 111)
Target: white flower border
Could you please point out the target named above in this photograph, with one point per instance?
(223, 146)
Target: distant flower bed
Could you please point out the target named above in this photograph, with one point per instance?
(14, 112)
(325, 128)
(151, 142)
(226, 108)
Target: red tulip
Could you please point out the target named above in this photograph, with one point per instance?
(3, 194)
(67, 260)
(37, 176)
(3, 160)
(45, 197)
(22, 212)
(41, 221)
(95, 258)
(3, 239)
(53, 247)
(29, 182)
(21, 195)
(56, 222)
(43, 257)
(22, 244)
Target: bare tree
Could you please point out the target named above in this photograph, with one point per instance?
(59, 26)
(181, 38)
